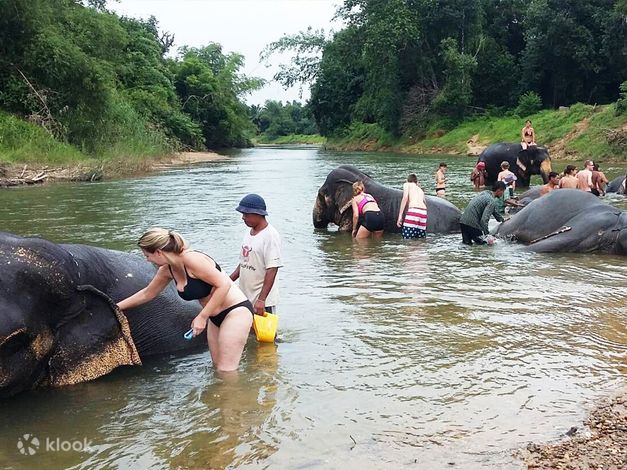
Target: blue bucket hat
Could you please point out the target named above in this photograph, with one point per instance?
(252, 204)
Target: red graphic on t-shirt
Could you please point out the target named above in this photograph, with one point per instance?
(246, 251)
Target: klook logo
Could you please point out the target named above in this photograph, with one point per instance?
(30, 445)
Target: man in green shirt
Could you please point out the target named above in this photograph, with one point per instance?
(474, 220)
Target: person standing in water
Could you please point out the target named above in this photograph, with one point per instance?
(528, 135)
(440, 180)
(226, 312)
(367, 217)
(568, 179)
(415, 222)
(475, 218)
(260, 256)
(479, 176)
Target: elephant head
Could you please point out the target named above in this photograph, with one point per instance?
(53, 329)
(534, 161)
(334, 198)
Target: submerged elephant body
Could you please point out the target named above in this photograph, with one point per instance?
(617, 185)
(568, 220)
(523, 163)
(333, 204)
(59, 324)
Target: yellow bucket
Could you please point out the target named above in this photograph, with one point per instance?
(265, 327)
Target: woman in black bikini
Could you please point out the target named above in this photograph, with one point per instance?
(198, 277)
(527, 135)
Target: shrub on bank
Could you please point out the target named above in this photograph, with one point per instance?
(23, 142)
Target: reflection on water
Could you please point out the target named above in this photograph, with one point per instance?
(392, 352)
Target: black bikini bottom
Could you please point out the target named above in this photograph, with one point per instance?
(219, 318)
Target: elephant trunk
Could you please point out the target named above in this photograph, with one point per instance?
(545, 169)
(319, 217)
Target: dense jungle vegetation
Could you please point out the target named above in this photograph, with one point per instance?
(78, 81)
(104, 84)
(407, 67)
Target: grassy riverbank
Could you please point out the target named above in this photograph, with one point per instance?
(29, 155)
(575, 133)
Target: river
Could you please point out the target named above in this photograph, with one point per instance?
(391, 354)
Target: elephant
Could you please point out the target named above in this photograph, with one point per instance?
(568, 220)
(617, 185)
(523, 163)
(59, 323)
(333, 203)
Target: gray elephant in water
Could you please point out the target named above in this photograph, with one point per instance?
(535, 160)
(568, 220)
(59, 323)
(617, 185)
(333, 203)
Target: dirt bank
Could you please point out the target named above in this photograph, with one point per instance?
(600, 443)
(19, 174)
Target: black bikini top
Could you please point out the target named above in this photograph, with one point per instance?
(195, 288)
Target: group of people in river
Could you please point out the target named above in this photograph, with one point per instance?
(412, 215)
(227, 309)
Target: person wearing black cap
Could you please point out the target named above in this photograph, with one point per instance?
(260, 256)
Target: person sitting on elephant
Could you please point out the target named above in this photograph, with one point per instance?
(475, 218)
(198, 277)
(508, 178)
(479, 175)
(415, 222)
(440, 180)
(599, 181)
(568, 179)
(584, 177)
(367, 217)
(528, 135)
(553, 183)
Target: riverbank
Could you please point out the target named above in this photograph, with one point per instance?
(600, 443)
(94, 170)
(575, 133)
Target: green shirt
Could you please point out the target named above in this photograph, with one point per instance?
(479, 210)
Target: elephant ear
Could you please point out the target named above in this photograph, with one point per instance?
(92, 341)
(344, 195)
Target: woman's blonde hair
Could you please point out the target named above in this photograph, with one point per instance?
(161, 239)
(504, 165)
(358, 188)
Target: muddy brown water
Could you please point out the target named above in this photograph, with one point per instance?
(391, 354)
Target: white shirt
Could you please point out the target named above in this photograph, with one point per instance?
(259, 253)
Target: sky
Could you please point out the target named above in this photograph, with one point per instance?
(243, 26)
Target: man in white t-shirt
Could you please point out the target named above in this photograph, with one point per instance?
(260, 256)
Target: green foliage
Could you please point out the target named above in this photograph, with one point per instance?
(456, 95)
(274, 119)
(411, 65)
(308, 46)
(313, 139)
(24, 142)
(208, 83)
(528, 103)
(102, 83)
(621, 103)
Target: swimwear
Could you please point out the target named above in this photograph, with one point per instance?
(365, 200)
(195, 288)
(415, 224)
(372, 221)
(440, 189)
(219, 318)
